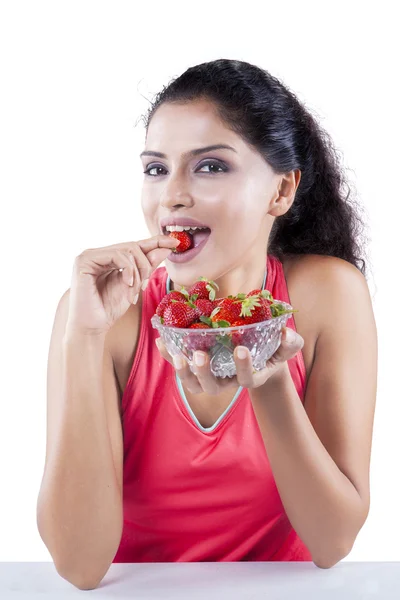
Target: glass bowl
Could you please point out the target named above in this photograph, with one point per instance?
(262, 339)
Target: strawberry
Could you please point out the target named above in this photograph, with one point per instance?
(180, 314)
(201, 343)
(236, 337)
(205, 307)
(228, 309)
(185, 238)
(255, 310)
(167, 300)
(264, 294)
(204, 289)
(247, 338)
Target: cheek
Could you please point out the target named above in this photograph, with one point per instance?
(149, 206)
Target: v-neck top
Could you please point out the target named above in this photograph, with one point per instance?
(192, 493)
(182, 391)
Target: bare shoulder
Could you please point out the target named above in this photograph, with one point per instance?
(321, 269)
(321, 284)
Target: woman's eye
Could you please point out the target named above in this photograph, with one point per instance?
(148, 171)
(211, 164)
(216, 165)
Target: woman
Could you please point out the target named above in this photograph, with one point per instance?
(181, 466)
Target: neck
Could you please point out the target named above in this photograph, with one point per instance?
(239, 280)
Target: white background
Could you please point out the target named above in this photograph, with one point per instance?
(74, 80)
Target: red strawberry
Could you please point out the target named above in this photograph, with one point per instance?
(264, 294)
(237, 338)
(259, 310)
(204, 288)
(179, 314)
(167, 300)
(199, 341)
(205, 307)
(199, 326)
(185, 238)
(228, 309)
(241, 339)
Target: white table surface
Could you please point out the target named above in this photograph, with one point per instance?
(211, 581)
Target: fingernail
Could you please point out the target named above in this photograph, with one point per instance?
(131, 281)
(144, 284)
(178, 363)
(135, 299)
(199, 359)
(290, 335)
(241, 353)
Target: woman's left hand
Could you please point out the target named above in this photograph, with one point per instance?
(203, 381)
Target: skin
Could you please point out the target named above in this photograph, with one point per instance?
(320, 460)
(239, 206)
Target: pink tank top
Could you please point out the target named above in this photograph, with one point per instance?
(192, 493)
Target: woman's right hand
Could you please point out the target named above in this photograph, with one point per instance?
(100, 294)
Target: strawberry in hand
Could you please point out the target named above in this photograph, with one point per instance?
(185, 239)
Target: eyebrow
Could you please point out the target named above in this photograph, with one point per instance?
(191, 153)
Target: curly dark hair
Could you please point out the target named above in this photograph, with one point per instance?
(269, 117)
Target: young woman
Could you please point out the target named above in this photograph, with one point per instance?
(149, 461)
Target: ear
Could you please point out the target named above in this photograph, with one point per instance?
(285, 195)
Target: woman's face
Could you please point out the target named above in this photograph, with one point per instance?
(229, 190)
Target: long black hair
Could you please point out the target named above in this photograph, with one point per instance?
(268, 116)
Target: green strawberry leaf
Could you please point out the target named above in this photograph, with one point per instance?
(211, 291)
(223, 323)
(248, 305)
(206, 320)
(225, 340)
(277, 310)
(266, 294)
(184, 292)
(215, 311)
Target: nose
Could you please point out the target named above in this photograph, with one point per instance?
(175, 193)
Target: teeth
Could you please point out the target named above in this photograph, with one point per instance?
(180, 228)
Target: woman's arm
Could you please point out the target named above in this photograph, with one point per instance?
(79, 507)
(320, 453)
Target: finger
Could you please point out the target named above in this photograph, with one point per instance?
(291, 343)
(100, 262)
(186, 375)
(244, 367)
(208, 381)
(163, 351)
(130, 274)
(148, 244)
(158, 248)
(183, 371)
(141, 268)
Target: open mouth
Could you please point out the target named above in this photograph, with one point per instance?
(198, 235)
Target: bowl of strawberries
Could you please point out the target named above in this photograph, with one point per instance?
(196, 320)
